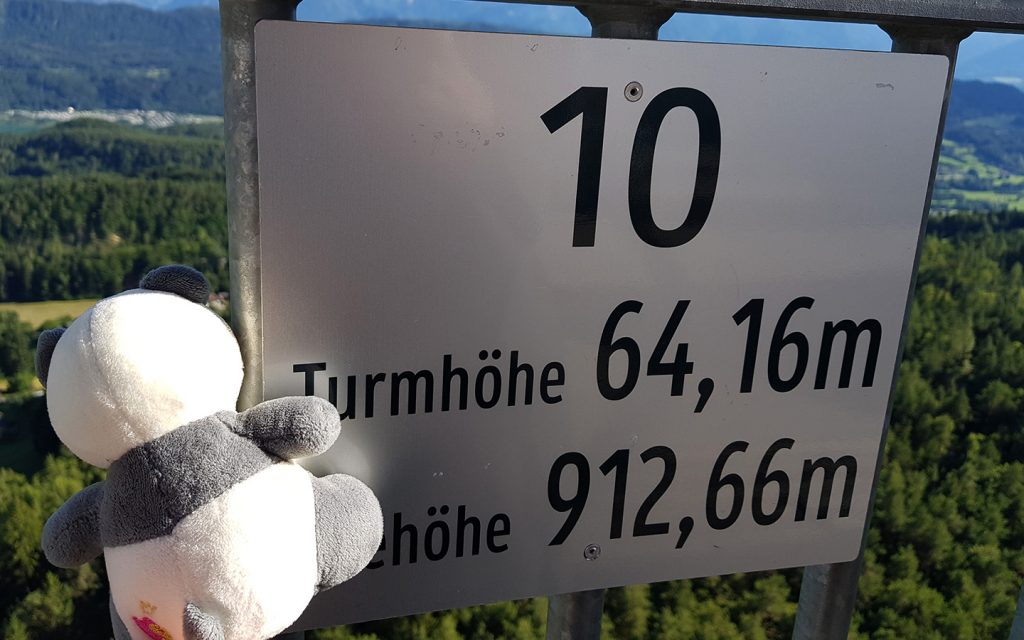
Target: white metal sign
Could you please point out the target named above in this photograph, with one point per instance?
(595, 312)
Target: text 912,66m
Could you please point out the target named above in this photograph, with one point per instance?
(728, 490)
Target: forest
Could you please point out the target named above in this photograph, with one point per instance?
(87, 208)
(945, 554)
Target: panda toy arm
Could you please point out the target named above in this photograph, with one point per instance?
(71, 536)
(294, 427)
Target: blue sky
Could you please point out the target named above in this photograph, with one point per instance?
(983, 55)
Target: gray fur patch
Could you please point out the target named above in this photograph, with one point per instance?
(201, 626)
(120, 631)
(45, 345)
(179, 280)
(71, 536)
(152, 487)
(293, 427)
(349, 526)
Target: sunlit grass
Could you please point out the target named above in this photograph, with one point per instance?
(36, 313)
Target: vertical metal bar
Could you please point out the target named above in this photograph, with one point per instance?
(577, 616)
(1017, 630)
(630, 23)
(238, 18)
(828, 593)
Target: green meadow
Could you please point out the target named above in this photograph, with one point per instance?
(37, 313)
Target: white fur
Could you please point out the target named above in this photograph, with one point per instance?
(260, 568)
(136, 366)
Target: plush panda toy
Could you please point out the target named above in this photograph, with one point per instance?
(209, 530)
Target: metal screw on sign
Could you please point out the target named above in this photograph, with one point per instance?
(592, 552)
(633, 91)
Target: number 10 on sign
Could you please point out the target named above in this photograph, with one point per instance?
(591, 103)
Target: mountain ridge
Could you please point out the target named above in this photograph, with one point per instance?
(114, 55)
(57, 55)
(983, 56)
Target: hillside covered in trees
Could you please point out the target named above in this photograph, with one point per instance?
(87, 207)
(945, 554)
(55, 55)
(982, 163)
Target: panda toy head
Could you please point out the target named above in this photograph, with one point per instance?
(138, 365)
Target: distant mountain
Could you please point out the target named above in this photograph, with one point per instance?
(982, 162)
(159, 5)
(58, 55)
(55, 55)
(989, 119)
(973, 99)
(983, 56)
(566, 20)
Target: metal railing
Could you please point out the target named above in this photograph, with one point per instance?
(828, 592)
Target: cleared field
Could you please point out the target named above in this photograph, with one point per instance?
(36, 313)
(965, 183)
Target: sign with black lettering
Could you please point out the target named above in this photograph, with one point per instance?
(594, 312)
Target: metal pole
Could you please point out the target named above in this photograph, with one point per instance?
(629, 23)
(828, 593)
(574, 616)
(1017, 630)
(238, 19)
(577, 616)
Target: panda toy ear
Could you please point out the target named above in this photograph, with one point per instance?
(179, 280)
(44, 351)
